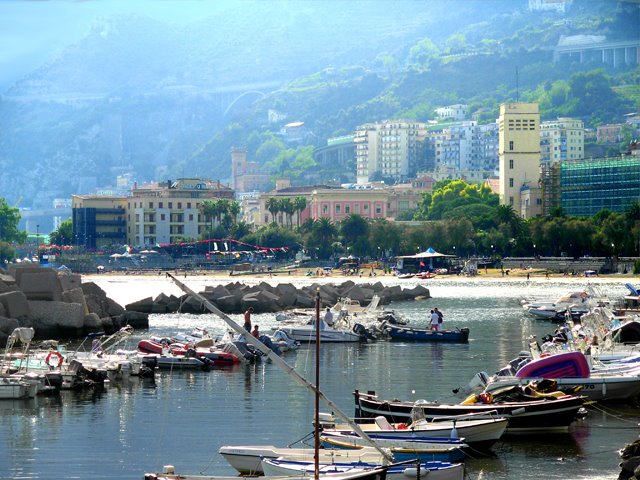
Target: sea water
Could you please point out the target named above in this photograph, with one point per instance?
(182, 418)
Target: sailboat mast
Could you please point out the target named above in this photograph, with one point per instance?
(316, 429)
(282, 364)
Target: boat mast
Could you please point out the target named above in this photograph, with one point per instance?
(316, 429)
(282, 364)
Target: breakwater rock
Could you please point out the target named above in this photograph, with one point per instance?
(236, 297)
(58, 305)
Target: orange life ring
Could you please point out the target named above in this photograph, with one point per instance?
(53, 354)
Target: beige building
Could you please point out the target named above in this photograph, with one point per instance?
(560, 140)
(169, 212)
(392, 149)
(98, 221)
(246, 176)
(518, 151)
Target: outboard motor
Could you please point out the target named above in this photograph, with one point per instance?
(360, 330)
(267, 341)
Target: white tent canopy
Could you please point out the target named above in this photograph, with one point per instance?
(428, 253)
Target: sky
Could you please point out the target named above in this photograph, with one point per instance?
(33, 31)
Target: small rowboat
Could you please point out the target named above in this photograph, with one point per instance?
(404, 332)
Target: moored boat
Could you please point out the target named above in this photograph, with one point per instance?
(526, 414)
(405, 332)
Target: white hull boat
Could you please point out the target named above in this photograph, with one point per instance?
(247, 460)
(15, 388)
(431, 470)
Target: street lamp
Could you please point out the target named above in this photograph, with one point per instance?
(534, 251)
(37, 240)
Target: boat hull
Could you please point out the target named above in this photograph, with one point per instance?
(305, 334)
(436, 470)
(247, 460)
(525, 417)
(425, 335)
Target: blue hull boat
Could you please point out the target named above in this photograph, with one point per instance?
(404, 332)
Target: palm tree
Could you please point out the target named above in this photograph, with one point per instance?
(505, 214)
(287, 207)
(299, 203)
(273, 205)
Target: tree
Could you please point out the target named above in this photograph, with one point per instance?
(63, 235)
(273, 205)
(299, 204)
(354, 230)
(9, 219)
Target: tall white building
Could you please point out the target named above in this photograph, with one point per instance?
(519, 157)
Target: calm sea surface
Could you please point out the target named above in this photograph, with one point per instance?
(182, 418)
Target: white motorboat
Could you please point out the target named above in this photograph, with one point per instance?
(247, 459)
(433, 470)
(12, 388)
(478, 433)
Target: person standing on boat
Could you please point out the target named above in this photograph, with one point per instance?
(247, 319)
(435, 325)
(440, 317)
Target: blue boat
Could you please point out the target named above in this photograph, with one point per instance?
(405, 332)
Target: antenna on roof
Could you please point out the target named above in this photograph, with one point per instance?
(517, 85)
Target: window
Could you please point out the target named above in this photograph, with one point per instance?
(510, 144)
(325, 208)
(170, 204)
(162, 217)
(511, 183)
(179, 205)
(191, 217)
(365, 207)
(160, 205)
(188, 204)
(510, 164)
(347, 209)
(150, 204)
(337, 209)
(510, 200)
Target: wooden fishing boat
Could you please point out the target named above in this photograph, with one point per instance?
(526, 414)
(405, 332)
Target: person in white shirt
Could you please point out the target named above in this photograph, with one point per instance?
(435, 321)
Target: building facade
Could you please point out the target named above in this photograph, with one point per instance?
(170, 212)
(588, 186)
(392, 149)
(560, 140)
(518, 151)
(98, 221)
(246, 176)
(610, 133)
(454, 112)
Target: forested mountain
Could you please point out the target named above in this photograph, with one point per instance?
(163, 100)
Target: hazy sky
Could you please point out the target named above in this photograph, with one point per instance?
(33, 31)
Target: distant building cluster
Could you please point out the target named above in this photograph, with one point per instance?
(534, 166)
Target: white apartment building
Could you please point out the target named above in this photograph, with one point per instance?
(454, 112)
(560, 140)
(393, 148)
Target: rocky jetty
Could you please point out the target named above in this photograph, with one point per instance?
(265, 298)
(58, 305)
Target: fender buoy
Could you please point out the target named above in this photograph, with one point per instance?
(47, 360)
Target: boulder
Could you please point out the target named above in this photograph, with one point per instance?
(90, 288)
(229, 304)
(56, 319)
(417, 291)
(2, 311)
(75, 295)
(15, 304)
(192, 305)
(40, 285)
(304, 301)
(8, 325)
(136, 319)
(16, 270)
(69, 281)
(92, 322)
(213, 293)
(262, 301)
(143, 306)
(8, 287)
(113, 308)
(391, 294)
(96, 304)
(362, 295)
(6, 278)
